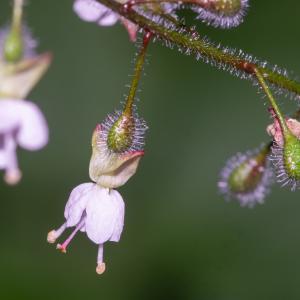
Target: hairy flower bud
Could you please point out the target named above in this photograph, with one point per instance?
(120, 135)
(221, 13)
(246, 177)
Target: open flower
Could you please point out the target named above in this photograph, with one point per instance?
(95, 210)
(117, 146)
(23, 124)
(93, 11)
(95, 207)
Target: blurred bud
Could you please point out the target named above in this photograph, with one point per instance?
(221, 13)
(247, 177)
(13, 47)
(286, 152)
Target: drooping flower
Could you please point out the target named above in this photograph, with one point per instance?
(97, 211)
(96, 208)
(23, 124)
(246, 177)
(117, 146)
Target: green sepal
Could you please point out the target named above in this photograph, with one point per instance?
(13, 46)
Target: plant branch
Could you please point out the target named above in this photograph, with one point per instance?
(222, 58)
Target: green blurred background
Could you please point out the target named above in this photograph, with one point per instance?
(181, 239)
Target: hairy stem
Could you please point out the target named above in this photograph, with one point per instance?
(272, 101)
(184, 40)
(137, 73)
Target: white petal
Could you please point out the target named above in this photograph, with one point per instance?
(27, 122)
(104, 216)
(77, 202)
(120, 212)
(9, 115)
(89, 10)
(8, 159)
(121, 175)
(109, 19)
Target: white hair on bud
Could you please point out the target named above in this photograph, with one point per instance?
(249, 198)
(140, 127)
(282, 177)
(221, 20)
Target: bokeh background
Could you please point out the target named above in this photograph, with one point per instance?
(181, 239)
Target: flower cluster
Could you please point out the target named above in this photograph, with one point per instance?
(118, 142)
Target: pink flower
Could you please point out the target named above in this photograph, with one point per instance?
(93, 11)
(95, 210)
(275, 130)
(23, 124)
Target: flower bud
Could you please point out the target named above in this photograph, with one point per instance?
(226, 7)
(221, 13)
(120, 135)
(246, 177)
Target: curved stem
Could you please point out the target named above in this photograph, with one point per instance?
(272, 101)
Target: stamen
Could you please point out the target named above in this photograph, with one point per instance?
(100, 269)
(53, 235)
(63, 247)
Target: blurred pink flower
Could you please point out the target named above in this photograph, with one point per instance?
(21, 123)
(275, 130)
(95, 210)
(93, 11)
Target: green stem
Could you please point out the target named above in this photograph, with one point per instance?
(207, 51)
(17, 14)
(272, 101)
(137, 73)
